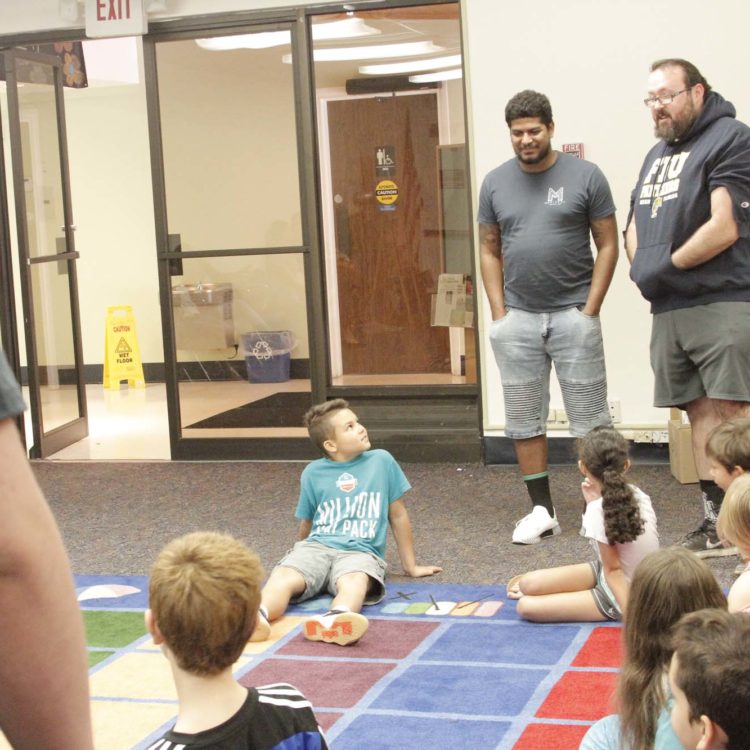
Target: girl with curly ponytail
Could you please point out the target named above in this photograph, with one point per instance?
(621, 525)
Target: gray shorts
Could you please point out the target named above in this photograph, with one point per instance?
(603, 596)
(526, 345)
(322, 566)
(701, 351)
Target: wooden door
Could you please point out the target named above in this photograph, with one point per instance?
(385, 197)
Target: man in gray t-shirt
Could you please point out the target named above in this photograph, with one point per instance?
(537, 213)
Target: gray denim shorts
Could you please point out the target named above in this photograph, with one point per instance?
(701, 351)
(322, 566)
(526, 345)
(603, 596)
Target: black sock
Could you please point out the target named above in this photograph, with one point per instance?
(712, 496)
(537, 486)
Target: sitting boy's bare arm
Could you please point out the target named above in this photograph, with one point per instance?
(402, 531)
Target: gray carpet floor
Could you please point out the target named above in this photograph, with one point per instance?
(115, 516)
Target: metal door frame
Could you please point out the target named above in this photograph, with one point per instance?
(44, 443)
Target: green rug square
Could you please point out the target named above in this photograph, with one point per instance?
(96, 656)
(107, 629)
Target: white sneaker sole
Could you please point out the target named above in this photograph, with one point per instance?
(554, 531)
(343, 629)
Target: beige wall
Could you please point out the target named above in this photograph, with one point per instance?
(591, 57)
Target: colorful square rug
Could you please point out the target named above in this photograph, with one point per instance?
(441, 666)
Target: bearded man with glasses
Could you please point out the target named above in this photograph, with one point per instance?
(688, 240)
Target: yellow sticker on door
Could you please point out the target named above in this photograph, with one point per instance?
(386, 192)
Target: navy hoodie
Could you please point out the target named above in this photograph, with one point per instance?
(672, 199)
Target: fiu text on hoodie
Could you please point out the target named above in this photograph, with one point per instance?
(672, 199)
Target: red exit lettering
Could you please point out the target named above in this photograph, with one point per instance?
(115, 10)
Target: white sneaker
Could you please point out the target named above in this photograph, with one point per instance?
(530, 529)
(342, 628)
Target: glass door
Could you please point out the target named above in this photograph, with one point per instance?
(46, 251)
(233, 248)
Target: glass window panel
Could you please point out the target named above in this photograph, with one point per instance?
(242, 348)
(40, 151)
(396, 207)
(53, 328)
(230, 145)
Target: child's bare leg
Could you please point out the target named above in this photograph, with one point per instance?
(571, 606)
(567, 578)
(351, 590)
(283, 584)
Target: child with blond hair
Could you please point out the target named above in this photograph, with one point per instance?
(204, 593)
(733, 526)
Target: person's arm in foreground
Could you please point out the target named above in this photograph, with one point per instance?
(44, 698)
(604, 232)
(401, 526)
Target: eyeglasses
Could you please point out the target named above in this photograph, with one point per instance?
(664, 99)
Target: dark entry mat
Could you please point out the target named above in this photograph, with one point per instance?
(283, 409)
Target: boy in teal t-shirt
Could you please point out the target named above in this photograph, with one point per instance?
(347, 499)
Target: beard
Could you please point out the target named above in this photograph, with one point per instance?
(540, 156)
(673, 128)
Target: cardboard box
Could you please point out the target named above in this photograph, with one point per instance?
(681, 460)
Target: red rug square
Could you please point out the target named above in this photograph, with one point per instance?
(585, 696)
(338, 684)
(384, 639)
(550, 737)
(603, 648)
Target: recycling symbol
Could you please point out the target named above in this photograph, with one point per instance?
(262, 350)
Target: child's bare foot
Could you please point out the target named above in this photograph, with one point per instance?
(262, 630)
(513, 589)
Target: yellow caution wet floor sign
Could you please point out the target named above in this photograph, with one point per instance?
(122, 357)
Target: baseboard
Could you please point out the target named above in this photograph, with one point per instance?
(562, 450)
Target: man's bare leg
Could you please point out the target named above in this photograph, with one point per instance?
(532, 454)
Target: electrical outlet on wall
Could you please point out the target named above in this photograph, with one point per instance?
(615, 410)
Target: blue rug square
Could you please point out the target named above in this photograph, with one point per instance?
(454, 689)
(509, 644)
(387, 733)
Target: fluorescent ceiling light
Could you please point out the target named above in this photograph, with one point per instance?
(372, 52)
(411, 66)
(347, 28)
(441, 75)
(262, 40)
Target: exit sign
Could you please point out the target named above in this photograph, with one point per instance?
(107, 18)
(576, 149)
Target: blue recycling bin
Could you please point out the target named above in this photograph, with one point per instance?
(267, 355)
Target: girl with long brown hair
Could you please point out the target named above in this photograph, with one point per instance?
(667, 585)
(621, 525)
